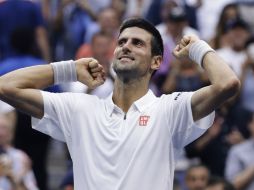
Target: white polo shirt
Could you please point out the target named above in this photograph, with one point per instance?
(114, 151)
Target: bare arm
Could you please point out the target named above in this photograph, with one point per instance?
(244, 178)
(19, 88)
(224, 83)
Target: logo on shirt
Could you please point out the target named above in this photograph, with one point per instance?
(143, 120)
(177, 96)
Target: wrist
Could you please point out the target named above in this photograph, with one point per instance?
(64, 71)
(198, 50)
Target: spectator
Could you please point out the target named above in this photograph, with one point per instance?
(218, 183)
(196, 177)
(34, 144)
(108, 22)
(172, 30)
(247, 79)
(208, 15)
(212, 147)
(240, 165)
(183, 76)
(220, 39)
(70, 28)
(21, 14)
(15, 166)
(235, 55)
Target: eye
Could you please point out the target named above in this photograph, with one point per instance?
(138, 43)
(121, 42)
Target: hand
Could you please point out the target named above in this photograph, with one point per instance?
(90, 72)
(182, 49)
(5, 165)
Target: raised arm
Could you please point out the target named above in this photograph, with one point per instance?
(20, 88)
(224, 83)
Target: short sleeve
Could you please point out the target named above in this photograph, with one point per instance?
(180, 119)
(56, 121)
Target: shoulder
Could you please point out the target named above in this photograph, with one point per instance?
(176, 96)
(241, 147)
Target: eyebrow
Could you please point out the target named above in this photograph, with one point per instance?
(137, 39)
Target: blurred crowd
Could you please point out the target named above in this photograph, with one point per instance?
(34, 32)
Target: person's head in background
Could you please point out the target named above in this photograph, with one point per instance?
(166, 8)
(7, 124)
(196, 177)
(229, 12)
(218, 183)
(23, 41)
(238, 33)
(109, 21)
(101, 50)
(176, 22)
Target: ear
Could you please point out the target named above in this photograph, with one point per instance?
(156, 62)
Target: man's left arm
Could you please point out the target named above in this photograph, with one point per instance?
(224, 82)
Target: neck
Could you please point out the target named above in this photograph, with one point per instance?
(128, 91)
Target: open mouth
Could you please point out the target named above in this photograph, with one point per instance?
(124, 57)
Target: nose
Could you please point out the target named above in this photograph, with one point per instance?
(127, 46)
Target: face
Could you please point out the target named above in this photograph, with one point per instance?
(230, 13)
(238, 37)
(197, 178)
(132, 56)
(100, 48)
(108, 20)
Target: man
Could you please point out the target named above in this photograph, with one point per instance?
(196, 177)
(240, 165)
(35, 144)
(31, 18)
(130, 139)
(218, 183)
(15, 165)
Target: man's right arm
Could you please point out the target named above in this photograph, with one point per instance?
(20, 87)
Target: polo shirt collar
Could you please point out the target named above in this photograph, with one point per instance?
(140, 104)
(145, 101)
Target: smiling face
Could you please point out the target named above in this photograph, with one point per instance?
(133, 55)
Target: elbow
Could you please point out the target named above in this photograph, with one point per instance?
(6, 89)
(230, 88)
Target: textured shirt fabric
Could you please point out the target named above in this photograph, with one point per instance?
(241, 157)
(121, 151)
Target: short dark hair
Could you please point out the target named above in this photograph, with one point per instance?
(156, 41)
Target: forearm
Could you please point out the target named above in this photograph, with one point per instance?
(17, 88)
(244, 178)
(219, 73)
(36, 77)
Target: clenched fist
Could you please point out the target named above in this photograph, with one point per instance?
(182, 49)
(90, 72)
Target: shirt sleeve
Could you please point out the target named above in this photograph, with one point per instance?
(56, 121)
(180, 120)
